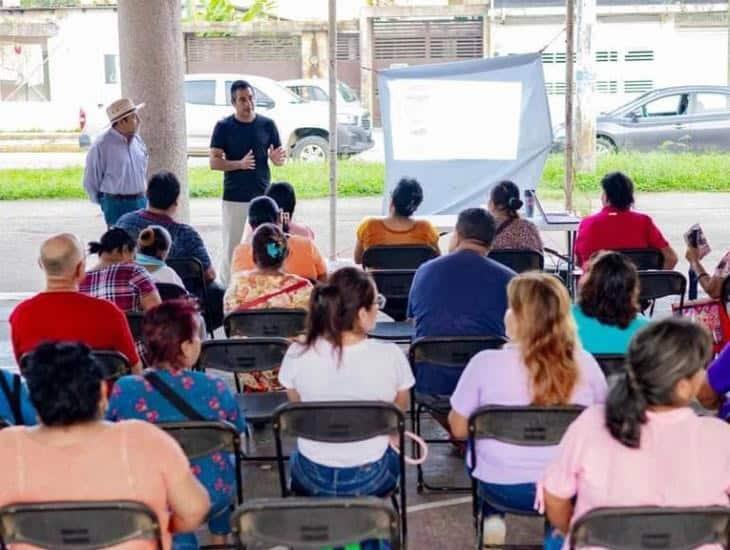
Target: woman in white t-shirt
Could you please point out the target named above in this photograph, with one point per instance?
(337, 362)
(153, 246)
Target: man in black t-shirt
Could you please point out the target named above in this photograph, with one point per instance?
(241, 147)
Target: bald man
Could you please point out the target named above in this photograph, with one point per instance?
(61, 312)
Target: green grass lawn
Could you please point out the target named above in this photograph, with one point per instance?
(652, 172)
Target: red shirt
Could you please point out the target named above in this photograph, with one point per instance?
(612, 229)
(70, 316)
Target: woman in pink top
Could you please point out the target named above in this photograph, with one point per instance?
(646, 446)
(543, 365)
(74, 455)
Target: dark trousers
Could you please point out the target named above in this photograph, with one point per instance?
(214, 317)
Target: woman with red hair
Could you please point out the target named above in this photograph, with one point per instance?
(172, 341)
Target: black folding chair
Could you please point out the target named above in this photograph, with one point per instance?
(78, 525)
(192, 274)
(286, 323)
(243, 355)
(643, 258)
(448, 352)
(397, 256)
(527, 426)
(314, 523)
(199, 439)
(343, 422)
(612, 364)
(134, 320)
(519, 260)
(395, 285)
(660, 284)
(649, 528)
(169, 291)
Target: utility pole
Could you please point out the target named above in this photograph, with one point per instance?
(332, 46)
(569, 80)
(728, 43)
(585, 118)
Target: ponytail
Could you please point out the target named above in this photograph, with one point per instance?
(626, 408)
(505, 196)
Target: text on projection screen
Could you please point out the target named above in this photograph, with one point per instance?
(455, 119)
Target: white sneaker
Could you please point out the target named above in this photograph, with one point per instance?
(495, 530)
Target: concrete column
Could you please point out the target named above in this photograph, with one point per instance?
(367, 61)
(152, 70)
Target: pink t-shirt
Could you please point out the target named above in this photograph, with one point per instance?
(129, 460)
(499, 377)
(684, 460)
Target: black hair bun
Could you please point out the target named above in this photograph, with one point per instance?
(514, 203)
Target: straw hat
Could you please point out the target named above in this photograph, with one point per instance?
(121, 108)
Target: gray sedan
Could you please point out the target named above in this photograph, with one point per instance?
(680, 119)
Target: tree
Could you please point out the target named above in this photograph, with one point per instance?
(223, 11)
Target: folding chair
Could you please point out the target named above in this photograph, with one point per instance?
(612, 364)
(134, 320)
(343, 422)
(661, 283)
(78, 525)
(527, 426)
(395, 285)
(448, 352)
(200, 439)
(286, 323)
(314, 523)
(242, 355)
(397, 256)
(169, 291)
(519, 260)
(192, 274)
(643, 258)
(649, 528)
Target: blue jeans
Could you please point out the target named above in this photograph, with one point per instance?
(114, 208)
(519, 497)
(374, 479)
(219, 523)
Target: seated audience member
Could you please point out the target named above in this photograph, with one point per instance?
(75, 455)
(542, 365)
(116, 277)
(711, 284)
(304, 259)
(463, 293)
(646, 446)
(617, 226)
(163, 193)
(512, 230)
(15, 406)
(267, 285)
(338, 362)
(284, 196)
(61, 312)
(153, 248)
(715, 388)
(607, 313)
(399, 227)
(172, 342)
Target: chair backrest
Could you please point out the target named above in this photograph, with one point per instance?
(528, 426)
(397, 256)
(286, 323)
(611, 364)
(203, 438)
(661, 283)
(643, 258)
(242, 354)
(134, 320)
(313, 523)
(113, 363)
(169, 291)
(450, 351)
(395, 285)
(519, 260)
(645, 527)
(192, 274)
(78, 525)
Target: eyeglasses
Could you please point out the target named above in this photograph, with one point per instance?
(380, 301)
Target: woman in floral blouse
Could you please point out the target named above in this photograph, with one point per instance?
(172, 341)
(267, 286)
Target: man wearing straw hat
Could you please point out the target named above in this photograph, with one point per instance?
(116, 165)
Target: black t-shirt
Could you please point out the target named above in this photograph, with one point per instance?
(237, 138)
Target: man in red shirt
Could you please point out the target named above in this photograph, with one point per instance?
(616, 226)
(62, 313)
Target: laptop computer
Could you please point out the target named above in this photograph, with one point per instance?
(554, 217)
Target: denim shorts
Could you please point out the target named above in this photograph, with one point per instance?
(377, 478)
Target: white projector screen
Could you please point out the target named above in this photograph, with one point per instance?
(435, 119)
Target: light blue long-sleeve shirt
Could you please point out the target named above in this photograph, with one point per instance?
(115, 165)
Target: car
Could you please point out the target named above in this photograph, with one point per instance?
(303, 125)
(355, 135)
(678, 119)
